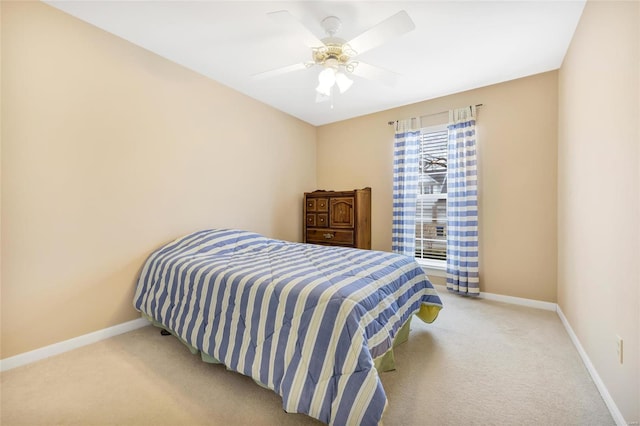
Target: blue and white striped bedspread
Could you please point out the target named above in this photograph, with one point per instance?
(304, 320)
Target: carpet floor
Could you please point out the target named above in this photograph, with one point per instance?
(480, 363)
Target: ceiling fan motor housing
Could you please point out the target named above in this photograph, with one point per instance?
(335, 53)
(332, 53)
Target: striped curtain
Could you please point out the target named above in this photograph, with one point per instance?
(405, 186)
(462, 203)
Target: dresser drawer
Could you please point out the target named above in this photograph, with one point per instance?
(311, 219)
(323, 220)
(333, 236)
(322, 204)
(317, 204)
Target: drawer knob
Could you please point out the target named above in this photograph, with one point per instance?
(328, 236)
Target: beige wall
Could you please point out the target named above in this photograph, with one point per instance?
(517, 137)
(599, 193)
(109, 151)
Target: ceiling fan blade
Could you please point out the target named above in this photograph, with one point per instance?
(279, 71)
(291, 24)
(393, 26)
(371, 72)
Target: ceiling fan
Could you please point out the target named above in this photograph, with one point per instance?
(336, 56)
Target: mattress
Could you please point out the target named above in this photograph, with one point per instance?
(307, 321)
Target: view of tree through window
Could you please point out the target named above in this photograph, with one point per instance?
(431, 211)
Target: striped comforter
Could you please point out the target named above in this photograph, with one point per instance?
(303, 320)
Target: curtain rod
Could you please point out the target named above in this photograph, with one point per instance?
(390, 123)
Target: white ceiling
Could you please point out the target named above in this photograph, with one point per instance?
(455, 46)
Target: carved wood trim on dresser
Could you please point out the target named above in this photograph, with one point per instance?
(338, 218)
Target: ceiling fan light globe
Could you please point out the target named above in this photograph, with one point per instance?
(327, 77)
(343, 82)
(324, 90)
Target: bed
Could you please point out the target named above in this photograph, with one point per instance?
(312, 323)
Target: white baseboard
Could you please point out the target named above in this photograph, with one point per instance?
(531, 303)
(67, 345)
(608, 400)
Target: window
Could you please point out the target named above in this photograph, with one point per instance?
(431, 208)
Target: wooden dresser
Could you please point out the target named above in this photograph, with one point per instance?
(338, 218)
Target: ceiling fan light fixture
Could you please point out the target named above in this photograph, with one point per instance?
(329, 77)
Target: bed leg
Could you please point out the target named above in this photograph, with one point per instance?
(165, 332)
